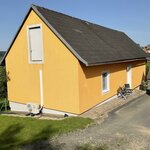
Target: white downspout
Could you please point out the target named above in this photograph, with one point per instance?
(41, 88)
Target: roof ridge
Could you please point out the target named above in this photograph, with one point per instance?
(61, 13)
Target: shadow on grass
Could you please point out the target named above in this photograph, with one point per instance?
(9, 139)
(41, 140)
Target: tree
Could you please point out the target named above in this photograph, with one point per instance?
(3, 83)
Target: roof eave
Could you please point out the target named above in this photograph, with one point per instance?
(115, 62)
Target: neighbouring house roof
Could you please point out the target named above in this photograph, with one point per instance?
(147, 47)
(92, 44)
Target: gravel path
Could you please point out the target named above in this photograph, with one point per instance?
(126, 128)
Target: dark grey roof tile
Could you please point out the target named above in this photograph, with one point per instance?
(94, 43)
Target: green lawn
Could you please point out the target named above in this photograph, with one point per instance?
(15, 131)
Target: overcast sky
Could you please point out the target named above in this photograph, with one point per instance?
(129, 16)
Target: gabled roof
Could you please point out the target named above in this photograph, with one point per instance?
(92, 44)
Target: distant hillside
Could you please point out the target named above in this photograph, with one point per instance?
(1, 54)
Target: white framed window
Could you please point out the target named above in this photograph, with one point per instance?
(105, 81)
(35, 43)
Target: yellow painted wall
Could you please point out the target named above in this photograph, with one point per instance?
(67, 84)
(60, 72)
(138, 73)
(90, 81)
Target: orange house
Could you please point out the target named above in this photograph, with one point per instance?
(68, 65)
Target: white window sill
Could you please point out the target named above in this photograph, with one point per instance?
(36, 62)
(105, 91)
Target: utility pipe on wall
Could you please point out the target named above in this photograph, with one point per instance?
(41, 88)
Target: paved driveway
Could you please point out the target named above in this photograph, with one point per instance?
(126, 128)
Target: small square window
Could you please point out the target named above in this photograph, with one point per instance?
(105, 81)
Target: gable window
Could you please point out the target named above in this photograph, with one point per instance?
(105, 81)
(35, 44)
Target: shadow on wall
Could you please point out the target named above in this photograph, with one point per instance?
(94, 71)
(11, 138)
(143, 83)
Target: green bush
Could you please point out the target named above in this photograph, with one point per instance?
(143, 86)
(147, 68)
(3, 83)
